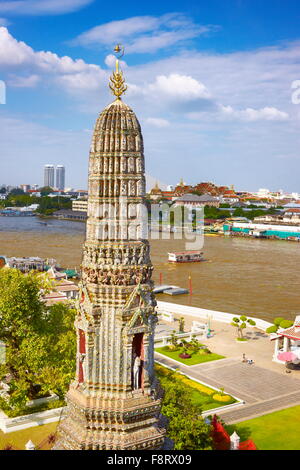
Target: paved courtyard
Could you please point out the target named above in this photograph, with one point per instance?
(263, 386)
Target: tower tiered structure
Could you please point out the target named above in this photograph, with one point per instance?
(114, 402)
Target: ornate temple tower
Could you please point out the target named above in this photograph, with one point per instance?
(114, 401)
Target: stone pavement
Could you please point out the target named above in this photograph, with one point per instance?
(263, 390)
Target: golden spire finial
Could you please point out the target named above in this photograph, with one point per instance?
(117, 80)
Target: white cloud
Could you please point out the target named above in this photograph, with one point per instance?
(16, 55)
(24, 82)
(110, 61)
(180, 87)
(144, 33)
(158, 122)
(250, 114)
(42, 7)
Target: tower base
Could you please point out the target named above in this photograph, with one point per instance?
(131, 423)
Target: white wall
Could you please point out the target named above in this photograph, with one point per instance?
(205, 313)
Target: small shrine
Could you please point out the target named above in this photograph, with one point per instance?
(287, 344)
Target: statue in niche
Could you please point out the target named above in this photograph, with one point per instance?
(109, 256)
(137, 363)
(131, 188)
(133, 259)
(141, 257)
(116, 188)
(139, 165)
(127, 256)
(123, 188)
(118, 256)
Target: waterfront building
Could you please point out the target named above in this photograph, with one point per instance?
(287, 341)
(29, 264)
(290, 217)
(80, 205)
(49, 176)
(259, 230)
(60, 177)
(69, 214)
(114, 402)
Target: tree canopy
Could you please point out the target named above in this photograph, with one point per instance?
(40, 341)
(186, 428)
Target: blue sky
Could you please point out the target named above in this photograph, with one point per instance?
(209, 81)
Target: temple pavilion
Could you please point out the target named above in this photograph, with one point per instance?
(287, 340)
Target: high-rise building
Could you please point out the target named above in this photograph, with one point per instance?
(114, 402)
(60, 177)
(49, 175)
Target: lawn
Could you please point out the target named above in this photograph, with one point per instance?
(200, 394)
(197, 357)
(18, 439)
(275, 431)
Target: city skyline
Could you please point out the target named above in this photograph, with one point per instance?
(217, 91)
(54, 176)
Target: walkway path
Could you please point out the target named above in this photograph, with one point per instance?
(263, 390)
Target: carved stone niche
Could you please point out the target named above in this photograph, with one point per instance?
(133, 231)
(100, 211)
(97, 312)
(131, 165)
(132, 212)
(132, 188)
(139, 165)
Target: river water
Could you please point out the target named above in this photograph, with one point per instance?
(239, 275)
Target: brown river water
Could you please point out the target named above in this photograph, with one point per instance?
(241, 276)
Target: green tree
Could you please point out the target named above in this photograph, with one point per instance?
(186, 426)
(45, 190)
(16, 191)
(279, 322)
(47, 205)
(40, 341)
(240, 323)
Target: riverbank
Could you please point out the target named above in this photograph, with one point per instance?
(239, 275)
